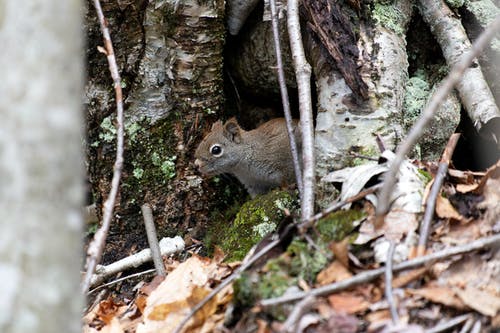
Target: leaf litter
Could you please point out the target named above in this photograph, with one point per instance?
(427, 297)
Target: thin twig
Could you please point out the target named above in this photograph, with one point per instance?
(304, 225)
(284, 96)
(437, 98)
(168, 246)
(467, 326)
(303, 77)
(425, 226)
(477, 327)
(290, 325)
(147, 214)
(123, 278)
(449, 324)
(372, 274)
(226, 282)
(96, 247)
(388, 284)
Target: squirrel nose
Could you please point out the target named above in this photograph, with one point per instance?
(197, 163)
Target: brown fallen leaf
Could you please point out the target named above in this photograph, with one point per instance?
(481, 301)
(465, 188)
(184, 287)
(348, 302)
(333, 273)
(108, 310)
(341, 251)
(441, 295)
(445, 210)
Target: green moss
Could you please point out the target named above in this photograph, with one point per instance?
(254, 220)
(299, 262)
(138, 173)
(108, 133)
(168, 167)
(455, 3)
(337, 225)
(133, 129)
(416, 95)
(425, 176)
(306, 263)
(388, 16)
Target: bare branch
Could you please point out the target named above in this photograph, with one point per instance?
(147, 214)
(425, 225)
(439, 95)
(303, 77)
(472, 87)
(301, 308)
(284, 96)
(388, 284)
(168, 246)
(373, 274)
(450, 323)
(123, 278)
(97, 245)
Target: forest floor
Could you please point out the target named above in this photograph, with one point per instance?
(335, 285)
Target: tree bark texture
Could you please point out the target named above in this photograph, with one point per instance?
(474, 92)
(41, 162)
(170, 59)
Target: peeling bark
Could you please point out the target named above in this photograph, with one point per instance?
(171, 64)
(342, 125)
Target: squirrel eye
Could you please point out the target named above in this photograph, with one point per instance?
(216, 150)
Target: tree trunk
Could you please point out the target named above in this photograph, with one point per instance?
(42, 166)
(170, 60)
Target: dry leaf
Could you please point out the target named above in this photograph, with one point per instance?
(481, 301)
(184, 287)
(445, 210)
(341, 251)
(441, 295)
(465, 188)
(108, 310)
(333, 273)
(397, 224)
(348, 303)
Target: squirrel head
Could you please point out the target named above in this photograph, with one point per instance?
(218, 151)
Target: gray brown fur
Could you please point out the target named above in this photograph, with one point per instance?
(260, 158)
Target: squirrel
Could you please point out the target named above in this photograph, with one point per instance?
(261, 159)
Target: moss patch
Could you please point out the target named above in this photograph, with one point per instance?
(338, 225)
(389, 16)
(417, 92)
(254, 220)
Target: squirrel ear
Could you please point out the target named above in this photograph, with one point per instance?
(232, 130)
(217, 124)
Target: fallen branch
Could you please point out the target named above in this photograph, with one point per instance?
(147, 214)
(425, 225)
(372, 274)
(474, 92)
(450, 324)
(123, 278)
(285, 100)
(301, 308)
(95, 249)
(388, 284)
(303, 77)
(168, 246)
(437, 97)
